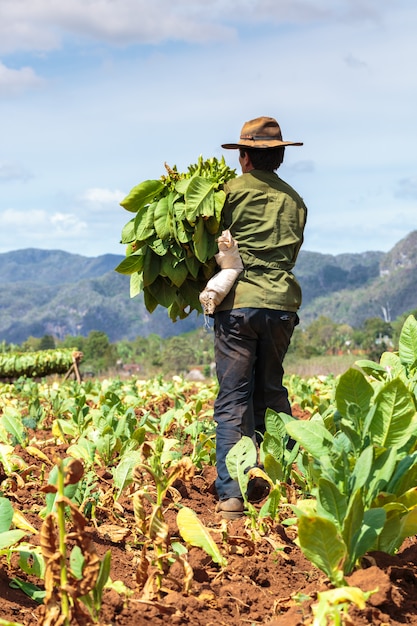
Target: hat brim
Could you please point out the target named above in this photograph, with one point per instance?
(250, 143)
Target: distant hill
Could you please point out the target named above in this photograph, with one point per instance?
(51, 292)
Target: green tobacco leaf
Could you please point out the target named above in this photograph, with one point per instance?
(149, 300)
(405, 475)
(6, 514)
(392, 423)
(136, 284)
(196, 534)
(381, 473)
(189, 292)
(199, 198)
(162, 219)
(408, 526)
(163, 292)
(10, 538)
(122, 473)
(11, 420)
(176, 271)
(352, 525)
(408, 342)
(239, 459)
(390, 539)
(273, 468)
(272, 445)
(131, 264)
(31, 590)
(331, 503)
(323, 545)
(370, 367)
(362, 470)
(372, 525)
(144, 226)
(32, 562)
(392, 364)
(201, 241)
(353, 388)
(275, 423)
(151, 267)
(128, 232)
(142, 194)
(313, 436)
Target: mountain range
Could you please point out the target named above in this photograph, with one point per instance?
(51, 292)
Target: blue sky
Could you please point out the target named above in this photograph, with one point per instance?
(95, 95)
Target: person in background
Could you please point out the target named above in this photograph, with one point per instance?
(254, 323)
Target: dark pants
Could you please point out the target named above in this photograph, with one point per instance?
(250, 346)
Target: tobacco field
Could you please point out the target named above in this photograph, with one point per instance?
(107, 503)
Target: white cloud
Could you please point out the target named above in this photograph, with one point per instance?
(37, 223)
(16, 81)
(99, 198)
(43, 24)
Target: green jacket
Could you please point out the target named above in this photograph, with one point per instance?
(267, 218)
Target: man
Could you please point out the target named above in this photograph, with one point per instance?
(254, 323)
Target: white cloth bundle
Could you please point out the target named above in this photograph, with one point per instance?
(228, 259)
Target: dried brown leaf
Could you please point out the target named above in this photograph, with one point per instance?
(158, 528)
(114, 532)
(73, 472)
(48, 537)
(143, 568)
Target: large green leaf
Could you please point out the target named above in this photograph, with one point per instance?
(408, 342)
(372, 525)
(131, 264)
(352, 524)
(144, 225)
(392, 364)
(381, 473)
(392, 423)
(199, 198)
(163, 292)
(176, 271)
(11, 420)
(405, 475)
(362, 470)
(142, 194)
(129, 232)
(331, 503)
(275, 423)
(313, 436)
(239, 459)
(136, 284)
(373, 369)
(149, 300)
(122, 473)
(151, 267)
(353, 388)
(201, 241)
(273, 468)
(322, 544)
(196, 534)
(163, 219)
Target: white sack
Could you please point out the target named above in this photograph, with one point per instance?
(228, 259)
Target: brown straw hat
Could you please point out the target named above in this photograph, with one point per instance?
(262, 132)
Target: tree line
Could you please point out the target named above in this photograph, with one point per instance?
(154, 355)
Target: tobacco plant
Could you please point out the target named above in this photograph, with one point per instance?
(363, 463)
(159, 464)
(73, 582)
